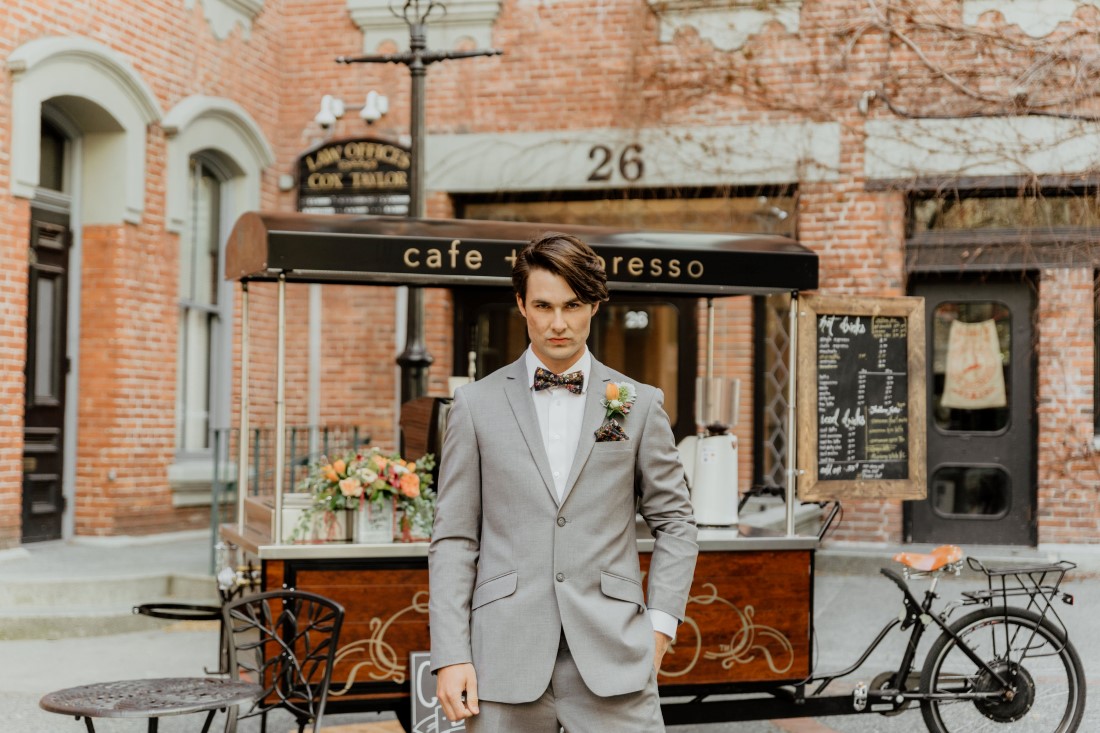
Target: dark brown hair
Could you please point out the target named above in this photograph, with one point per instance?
(569, 258)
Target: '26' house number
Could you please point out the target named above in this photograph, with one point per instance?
(629, 162)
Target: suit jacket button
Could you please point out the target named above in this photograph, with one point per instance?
(561, 521)
(560, 577)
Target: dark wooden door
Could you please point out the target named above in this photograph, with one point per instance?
(981, 440)
(46, 367)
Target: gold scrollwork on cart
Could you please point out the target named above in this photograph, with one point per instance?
(381, 656)
(749, 640)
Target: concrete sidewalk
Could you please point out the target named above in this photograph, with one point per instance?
(30, 668)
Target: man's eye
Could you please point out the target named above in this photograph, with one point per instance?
(572, 306)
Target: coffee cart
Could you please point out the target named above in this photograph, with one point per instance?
(750, 613)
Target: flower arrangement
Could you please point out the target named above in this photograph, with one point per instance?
(365, 477)
(618, 398)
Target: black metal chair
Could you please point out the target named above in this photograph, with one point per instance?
(285, 641)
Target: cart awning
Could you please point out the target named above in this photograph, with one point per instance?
(390, 250)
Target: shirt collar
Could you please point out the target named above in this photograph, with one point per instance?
(584, 364)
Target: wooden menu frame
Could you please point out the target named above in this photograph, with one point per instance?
(811, 486)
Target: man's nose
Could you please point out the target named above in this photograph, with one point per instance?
(558, 323)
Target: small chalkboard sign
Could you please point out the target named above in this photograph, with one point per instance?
(861, 398)
(427, 714)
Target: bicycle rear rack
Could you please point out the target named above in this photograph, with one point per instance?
(1039, 583)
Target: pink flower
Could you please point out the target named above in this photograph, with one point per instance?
(351, 487)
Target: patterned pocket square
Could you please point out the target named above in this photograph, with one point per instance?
(610, 431)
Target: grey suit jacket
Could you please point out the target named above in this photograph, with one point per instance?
(510, 568)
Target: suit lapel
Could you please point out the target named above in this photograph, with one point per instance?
(523, 407)
(594, 414)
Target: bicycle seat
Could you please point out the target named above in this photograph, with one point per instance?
(940, 557)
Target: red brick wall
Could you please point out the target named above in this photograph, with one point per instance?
(1069, 466)
(553, 76)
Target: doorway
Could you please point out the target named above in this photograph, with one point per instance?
(47, 366)
(981, 366)
(649, 338)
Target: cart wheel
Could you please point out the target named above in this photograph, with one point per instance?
(882, 682)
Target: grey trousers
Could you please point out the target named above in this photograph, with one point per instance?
(569, 704)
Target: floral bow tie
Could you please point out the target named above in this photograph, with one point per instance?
(545, 379)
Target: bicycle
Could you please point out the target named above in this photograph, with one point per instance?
(998, 667)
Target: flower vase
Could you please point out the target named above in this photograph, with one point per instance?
(374, 521)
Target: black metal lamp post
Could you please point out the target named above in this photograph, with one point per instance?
(415, 359)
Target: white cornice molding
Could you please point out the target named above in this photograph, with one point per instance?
(465, 20)
(725, 23)
(755, 154)
(1037, 18)
(977, 147)
(222, 15)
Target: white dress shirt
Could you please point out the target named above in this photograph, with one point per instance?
(560, 414)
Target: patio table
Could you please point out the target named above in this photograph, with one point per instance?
(150, 698)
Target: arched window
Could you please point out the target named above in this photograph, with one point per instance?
(200, 310)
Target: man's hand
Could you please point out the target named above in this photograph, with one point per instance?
(660, 646)
(456, 688)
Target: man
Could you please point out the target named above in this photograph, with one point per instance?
(537, 614)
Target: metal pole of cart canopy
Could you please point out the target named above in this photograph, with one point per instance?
(280, 409)
(705, 396)
(242, 435)
(792, 415)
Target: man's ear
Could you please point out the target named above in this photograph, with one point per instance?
(519, 302)
(595, 308)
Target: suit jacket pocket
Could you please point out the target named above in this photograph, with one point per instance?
(494, 589)
(623, 589)
(612, 446)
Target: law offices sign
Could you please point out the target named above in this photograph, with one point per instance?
(355, 176)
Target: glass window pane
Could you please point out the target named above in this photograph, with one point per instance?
(763, 214)
(970, 491)
(971, 366)
(45, 338)
(51, 158)
(199, 248)
(1076, 210)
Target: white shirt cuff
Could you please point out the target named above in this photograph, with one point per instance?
(663, 622)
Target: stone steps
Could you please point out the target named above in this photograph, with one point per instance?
(58, 608)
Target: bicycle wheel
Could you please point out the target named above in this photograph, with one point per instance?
(1049, 682)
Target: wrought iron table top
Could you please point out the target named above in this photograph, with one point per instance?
(149, 698)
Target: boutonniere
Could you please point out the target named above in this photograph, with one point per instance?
(619, 398)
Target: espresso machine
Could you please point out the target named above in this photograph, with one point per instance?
(710, 456)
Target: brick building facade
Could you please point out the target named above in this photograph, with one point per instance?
(936, 147)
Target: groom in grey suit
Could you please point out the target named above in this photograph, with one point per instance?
(537, 613)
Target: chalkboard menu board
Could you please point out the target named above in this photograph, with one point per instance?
(861, 398)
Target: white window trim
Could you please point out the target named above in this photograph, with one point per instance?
(55, 66)
(220, 129)
(201, 123)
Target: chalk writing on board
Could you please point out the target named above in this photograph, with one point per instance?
(862, 397)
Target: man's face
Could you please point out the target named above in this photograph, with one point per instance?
(557, 322)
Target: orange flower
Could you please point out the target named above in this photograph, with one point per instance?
(351, 487)
(329, 473)
(612, 391)
(380, 461)
(339, 466)
(410, 485)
